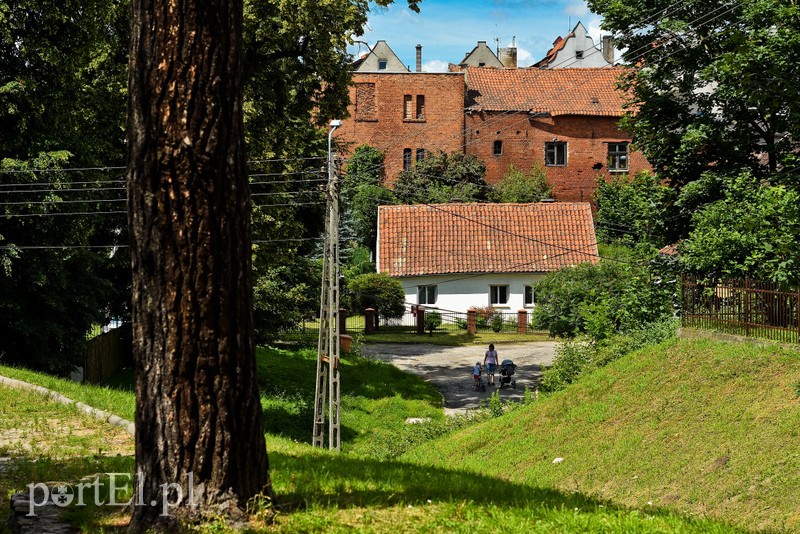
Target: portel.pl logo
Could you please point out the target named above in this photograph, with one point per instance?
(116, 486)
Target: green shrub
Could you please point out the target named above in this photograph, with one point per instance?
(433, 320)
(378, 291)
(496, 404)
(497, 323)
(575, 358)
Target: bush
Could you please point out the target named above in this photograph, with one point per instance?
(616, 295)
(575, 358)
(378, 291)
(433, 320)
(497, 323)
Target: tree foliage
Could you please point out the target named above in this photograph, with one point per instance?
(637, 210)
(714, 83)
(378, 291)
(619, 294)
(750, 232)
(442, 178)
(62, 105)
(363, 191)
(518, 186)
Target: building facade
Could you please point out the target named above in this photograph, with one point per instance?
(565, 120)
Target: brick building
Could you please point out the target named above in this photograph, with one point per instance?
(564, 119)
(407, 115)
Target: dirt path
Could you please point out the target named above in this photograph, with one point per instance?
(450, 368)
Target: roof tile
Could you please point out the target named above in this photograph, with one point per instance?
(425, 239)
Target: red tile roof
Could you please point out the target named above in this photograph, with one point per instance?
(558, 44)
(552, 91)
(426, 239)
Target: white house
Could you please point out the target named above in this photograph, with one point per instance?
(578, 51)
(458, 256)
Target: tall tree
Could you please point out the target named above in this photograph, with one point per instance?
(62, 105)
(714, 83)
(198, 409)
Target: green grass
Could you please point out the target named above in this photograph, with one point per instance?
(658, 441)
(704, 427)
(449, 339)
(48, 441)
(116, 397)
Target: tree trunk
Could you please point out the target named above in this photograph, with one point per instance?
(198, 415)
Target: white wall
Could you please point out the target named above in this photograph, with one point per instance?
(459, 292)
(592, 56)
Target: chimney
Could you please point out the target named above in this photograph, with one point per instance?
(508, 56)
(608, 48)
(419, 58)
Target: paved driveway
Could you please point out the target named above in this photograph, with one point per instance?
(450, 368)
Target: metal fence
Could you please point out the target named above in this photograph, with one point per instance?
(744, 307)
(441, 321)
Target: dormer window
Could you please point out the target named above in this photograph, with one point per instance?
(382, 64)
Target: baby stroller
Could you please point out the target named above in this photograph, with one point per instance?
(507, 370)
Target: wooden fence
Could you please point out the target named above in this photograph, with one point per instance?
(744, 307)
(108, 353)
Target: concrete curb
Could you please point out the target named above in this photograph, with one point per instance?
(100, 415)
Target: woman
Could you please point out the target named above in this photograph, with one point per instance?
(490, 362)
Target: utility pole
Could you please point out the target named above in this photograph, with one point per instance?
(328, 344)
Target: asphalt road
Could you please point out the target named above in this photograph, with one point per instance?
(450, 368)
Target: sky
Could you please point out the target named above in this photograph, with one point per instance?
(449, 29)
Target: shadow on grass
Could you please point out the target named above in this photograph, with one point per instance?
(312, 479)
(23, 470)
(294, 374)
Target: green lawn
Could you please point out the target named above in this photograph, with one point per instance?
(693, 436)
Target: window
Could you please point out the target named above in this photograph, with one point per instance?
(420, 107)
(578, 54)
(420, 154)
(382, 64)
(407, 102)
(426, 294)
(497, 148)
(528, 296)
(498, 295)
(406, 159)
(618, 156)
(555, 154)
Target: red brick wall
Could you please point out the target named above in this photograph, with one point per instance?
(523, 143)
(379, 119)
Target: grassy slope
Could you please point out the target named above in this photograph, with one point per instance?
(697, 426)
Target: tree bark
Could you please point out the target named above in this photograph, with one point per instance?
(198, 410)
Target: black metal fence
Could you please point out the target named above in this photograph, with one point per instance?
(436, 320)
(744, 307)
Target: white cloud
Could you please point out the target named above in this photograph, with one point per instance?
(524, 58)
(576, 10)
(435, 66)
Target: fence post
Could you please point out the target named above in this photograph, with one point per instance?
(342, 321)
(747, 307)
(472, 321)
(420, 320)
(369, 320)
(522, 322)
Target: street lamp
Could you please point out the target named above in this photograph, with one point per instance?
(334, 124)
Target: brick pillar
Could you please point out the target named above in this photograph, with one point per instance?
(472, 321)
(522, 321)
(369, 320)
(342, 321)
(420, 320)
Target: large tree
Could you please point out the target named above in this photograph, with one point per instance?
(198, 411)
(714, 83)
(62, 106)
